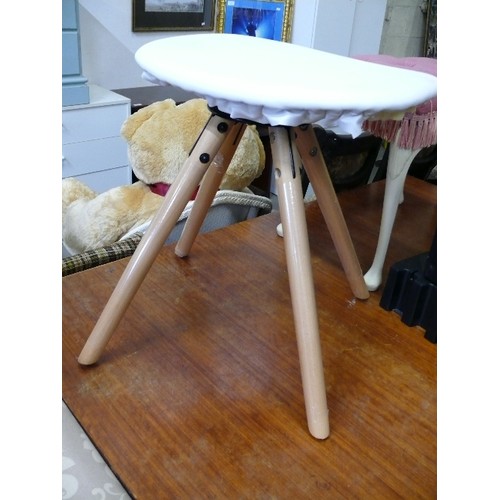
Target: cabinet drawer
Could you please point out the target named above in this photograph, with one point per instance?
(92, 156)
(69, 15)
(92, 123)
(70, 54)
(107, 179)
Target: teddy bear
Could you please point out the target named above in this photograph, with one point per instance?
(159, 138)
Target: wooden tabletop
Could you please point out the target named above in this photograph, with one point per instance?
(198, 393)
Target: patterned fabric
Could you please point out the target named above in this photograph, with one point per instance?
(228, 207)
(93, 258)
(85, 474)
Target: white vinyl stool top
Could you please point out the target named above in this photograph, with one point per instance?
(278, 83)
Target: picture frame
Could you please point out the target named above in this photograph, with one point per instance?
(262, 18)
(173, 15)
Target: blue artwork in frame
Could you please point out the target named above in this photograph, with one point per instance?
(263, 19)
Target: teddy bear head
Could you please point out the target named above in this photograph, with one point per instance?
(161, 136)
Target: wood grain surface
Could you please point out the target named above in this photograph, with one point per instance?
(198, 393)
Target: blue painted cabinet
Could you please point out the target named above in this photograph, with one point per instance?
(74, 85)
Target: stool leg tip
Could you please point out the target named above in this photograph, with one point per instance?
(88, 358)
(319, 430)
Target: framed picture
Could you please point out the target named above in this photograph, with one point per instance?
(265, 19)
(173, 15)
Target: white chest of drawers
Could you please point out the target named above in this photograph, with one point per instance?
(93, 150)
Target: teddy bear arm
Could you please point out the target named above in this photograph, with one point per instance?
(91, 224)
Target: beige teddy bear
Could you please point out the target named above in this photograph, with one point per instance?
(159, 139)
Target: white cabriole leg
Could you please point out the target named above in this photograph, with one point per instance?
(398, 165)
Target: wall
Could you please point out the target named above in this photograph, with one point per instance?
(404, 28)
(108, 44)
(345, 27)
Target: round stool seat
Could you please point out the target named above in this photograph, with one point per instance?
(278, 83)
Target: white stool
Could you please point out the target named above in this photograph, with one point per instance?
(288, 87)
(416, 130)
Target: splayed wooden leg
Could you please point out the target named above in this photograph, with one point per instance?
(286, 164)
(208, 190)
(317, 172)
(178, 195)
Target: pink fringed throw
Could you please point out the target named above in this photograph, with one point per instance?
(419, 127)
(417, 131)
